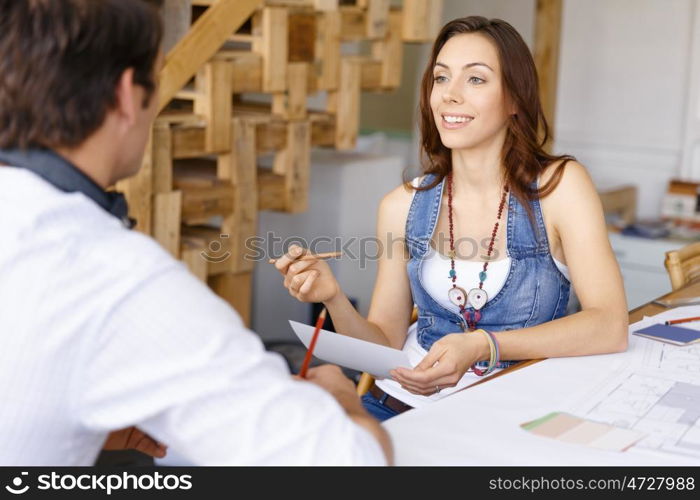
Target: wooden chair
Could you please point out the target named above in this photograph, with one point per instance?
(366, 380)
(683, 265)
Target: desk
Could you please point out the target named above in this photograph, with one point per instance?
(453, 431)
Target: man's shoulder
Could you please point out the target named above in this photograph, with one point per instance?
(74, 226)
(125, 254)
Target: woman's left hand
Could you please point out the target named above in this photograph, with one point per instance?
(448, 359)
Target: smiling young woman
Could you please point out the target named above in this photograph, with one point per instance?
(487, 185)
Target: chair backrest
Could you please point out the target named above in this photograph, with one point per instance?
(683, 265)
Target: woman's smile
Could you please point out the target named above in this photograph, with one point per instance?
(455, 121)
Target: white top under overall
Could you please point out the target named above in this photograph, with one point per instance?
(435, 280)
(101, 329)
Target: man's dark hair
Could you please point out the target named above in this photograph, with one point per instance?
(61, 60)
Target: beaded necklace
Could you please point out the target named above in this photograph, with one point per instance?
(477, 297)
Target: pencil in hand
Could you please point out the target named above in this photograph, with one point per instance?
(311, 256)
(307, 359)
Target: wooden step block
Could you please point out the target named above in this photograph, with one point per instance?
(182, 118)
(326, 5)
(377, 18)
(368, 21)
(242, 38)
(322, 128)
(345, 103)
(353, 23)
(166, 221)
(370, 73)
(291, 105)
(188, 94)
(192, 253)
(214, 103)
(239, 167)
(270, 40)
(203, 195)
(389, 51)
(201, 204)
(214, 248)
(293, 163)
(188, 141)
(326, 68)
(271, 135)
(270, 190)
(270, 129)
(246, 70)
(195, 173)
(256, 111)
(314, 4)
(302, 36)
(421, 20)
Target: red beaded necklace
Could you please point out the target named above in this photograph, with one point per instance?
(477, 297)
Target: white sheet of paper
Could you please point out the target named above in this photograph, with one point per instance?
(375, 359)
(677, 313)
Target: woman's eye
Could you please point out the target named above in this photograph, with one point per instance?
(439, 78)
(476, 80)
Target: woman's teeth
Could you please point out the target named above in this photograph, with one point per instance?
(456, 119)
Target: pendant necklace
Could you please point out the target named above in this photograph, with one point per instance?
(477, 297)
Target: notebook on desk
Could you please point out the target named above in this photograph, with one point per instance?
(671, 334)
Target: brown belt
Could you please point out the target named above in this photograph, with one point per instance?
(389, 401)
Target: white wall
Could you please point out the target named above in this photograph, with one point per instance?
(519, 13)
(628, 103)
(691, 142)
(623, 91)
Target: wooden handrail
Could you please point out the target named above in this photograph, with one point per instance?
(204, 39)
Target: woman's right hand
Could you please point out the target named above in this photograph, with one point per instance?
(307, 280)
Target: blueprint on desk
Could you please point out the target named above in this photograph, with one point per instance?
(668, 357)
(657, 392)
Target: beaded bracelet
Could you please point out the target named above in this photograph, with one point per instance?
(498, 352)
(495, 354)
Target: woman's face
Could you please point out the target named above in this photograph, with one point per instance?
(467, 100)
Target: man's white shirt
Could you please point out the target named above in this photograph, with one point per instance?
(101, 329)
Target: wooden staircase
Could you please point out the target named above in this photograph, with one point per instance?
(201, 185)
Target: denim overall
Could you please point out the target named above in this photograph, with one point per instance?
(534, 292)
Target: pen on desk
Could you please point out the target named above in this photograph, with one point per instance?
(309, 256)
(681, 320)
(312, 344)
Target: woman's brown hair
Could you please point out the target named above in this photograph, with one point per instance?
(523, 155)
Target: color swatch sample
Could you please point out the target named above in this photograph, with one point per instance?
(572, 429)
